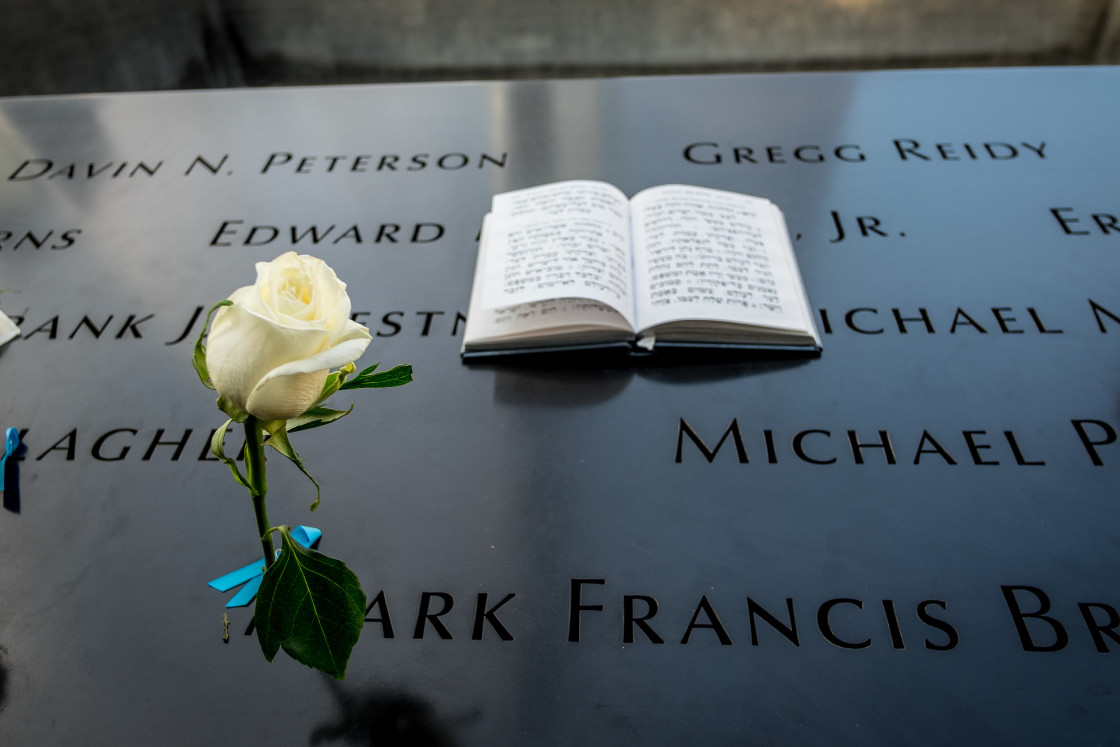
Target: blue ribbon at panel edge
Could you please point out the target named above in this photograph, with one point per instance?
(11, 443)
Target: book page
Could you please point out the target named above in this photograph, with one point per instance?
(550, 322)
(713, 255)
(539, 318)
(563, 240)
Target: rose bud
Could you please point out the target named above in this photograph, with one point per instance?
(270, 352)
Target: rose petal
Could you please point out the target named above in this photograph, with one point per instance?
(327, 306)
(243, 347)
(345, 351)
(283, 397)
(290, 389)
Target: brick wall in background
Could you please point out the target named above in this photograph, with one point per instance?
(58, 46)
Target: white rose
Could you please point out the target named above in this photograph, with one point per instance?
(270, 352)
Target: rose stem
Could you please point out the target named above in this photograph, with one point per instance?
(254, 449)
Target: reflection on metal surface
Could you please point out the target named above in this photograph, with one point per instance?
(954, 450)
(381, 717)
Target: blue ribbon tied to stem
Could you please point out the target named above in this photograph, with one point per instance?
(252, 574)
(11, 443)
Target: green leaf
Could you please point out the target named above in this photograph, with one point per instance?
(312, 606)
(315, 417)
(278, 439)
(367, 379)
(216, 444)
(199, 358)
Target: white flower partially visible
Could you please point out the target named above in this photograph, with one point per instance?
(8, 329)
(270, 352)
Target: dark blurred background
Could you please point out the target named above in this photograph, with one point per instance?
(62, 46)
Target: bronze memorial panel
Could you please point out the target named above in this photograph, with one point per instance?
(912, 538)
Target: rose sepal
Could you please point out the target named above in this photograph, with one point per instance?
(217, 442)
(199, 358)
(229, 407)
(334, 382)
(316, 417)
(311, 605)
(278, 439)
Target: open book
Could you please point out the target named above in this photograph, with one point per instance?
(578, 265)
